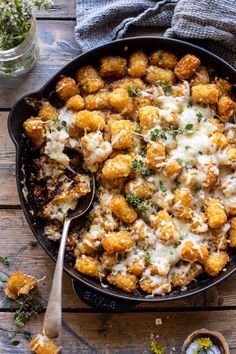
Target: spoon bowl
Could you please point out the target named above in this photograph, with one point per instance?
(53, 315)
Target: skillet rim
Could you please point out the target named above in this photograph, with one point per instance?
(111, 292)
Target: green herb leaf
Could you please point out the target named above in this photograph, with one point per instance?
(15, 342)
(189, 127)
(147, 259)
(28, 308)
(154, 134)
(5, 261)
(199, 116)
(3, 278)
(190, 103)
(167, 88)
(138, 129)
(133, 91)
(55, 120)
(188, 165)
(27, 335)
(197, 188)
(137, 164)
(134, 200)
(177, 244)
(162, 187)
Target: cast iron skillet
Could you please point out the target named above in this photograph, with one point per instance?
(22, 110)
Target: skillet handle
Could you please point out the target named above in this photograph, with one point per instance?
(100, 301)
(53, 315)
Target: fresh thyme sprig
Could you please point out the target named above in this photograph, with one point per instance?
(15, 20)
(133, 91)
(138, 165)
(163, 134)
(5, 261)
(29, 307)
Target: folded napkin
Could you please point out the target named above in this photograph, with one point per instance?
(208, 23)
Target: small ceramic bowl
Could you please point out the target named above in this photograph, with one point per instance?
(215, 336)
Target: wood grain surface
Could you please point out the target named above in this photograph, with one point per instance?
(87, 330)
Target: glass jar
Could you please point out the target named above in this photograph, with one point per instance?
(20, 59)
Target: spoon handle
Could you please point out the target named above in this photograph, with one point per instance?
(53, 315)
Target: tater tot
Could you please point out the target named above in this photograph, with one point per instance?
(108, 260)
(90, 121)
(89, 79)
(231, 152)
(149, 287)
(141, 188)
(187, 66)
(44, 345)
(126, 282)
(194, 252)
(230, 133)
(113, 66)
(119, 99)
(216, 213)
(121, 134)
(158, 76)
(199, 223)
(172, 169)
(128, 82)
(122, 210)
(75, 103)
(140, 101)
(215, 262)
(201, 77)
(208, 94)
(95, 149)
(47, 111)
(164, 224)
(35, 129)
(180, 278)
(163, 59)
(138, 63)
(97, 101)
(219, 127)
(183, 203)
(66, 87)
(136, 269)
(119, 166)
(87, 265)
(226, 108)
(117, 242)
(148, 117)
(219, 139)
(19, 284)
(232, 233)
(224, 86)
(155, 154)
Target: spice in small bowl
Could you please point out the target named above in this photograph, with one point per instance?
(204, 341)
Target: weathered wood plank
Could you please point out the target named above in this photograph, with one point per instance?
(26, 255)
(8, 195)
(61, 9)
(130, 333)
(57, 47)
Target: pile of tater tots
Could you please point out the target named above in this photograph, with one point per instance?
(158, 133)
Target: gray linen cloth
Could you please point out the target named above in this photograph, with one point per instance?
(208, 23)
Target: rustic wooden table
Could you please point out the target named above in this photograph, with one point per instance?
(86, 330)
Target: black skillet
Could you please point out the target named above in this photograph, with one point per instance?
(107, 298)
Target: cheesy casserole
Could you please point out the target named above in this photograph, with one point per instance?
(158, 133)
